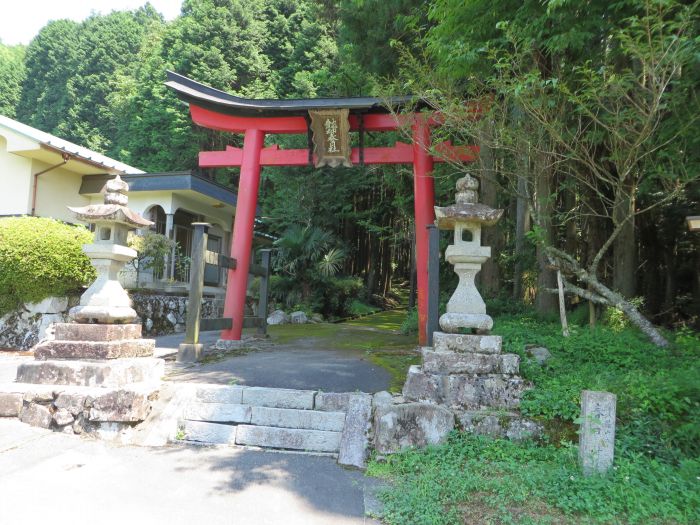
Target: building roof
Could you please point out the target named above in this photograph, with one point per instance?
(63, 146)
(205, 96)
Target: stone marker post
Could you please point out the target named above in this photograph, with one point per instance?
(597, 435)
(191, 349)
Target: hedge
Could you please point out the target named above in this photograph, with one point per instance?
(39, 258)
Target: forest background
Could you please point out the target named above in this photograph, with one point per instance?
(589, 137)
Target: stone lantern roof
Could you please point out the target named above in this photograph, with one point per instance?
(114, 208)
(466, 208)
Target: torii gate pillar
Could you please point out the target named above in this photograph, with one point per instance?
(423, 203)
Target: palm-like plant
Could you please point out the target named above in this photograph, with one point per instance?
(305, 253)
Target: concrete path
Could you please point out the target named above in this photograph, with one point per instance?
(47, 477)
(302, 364)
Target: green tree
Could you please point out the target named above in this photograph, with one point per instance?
(12, 74)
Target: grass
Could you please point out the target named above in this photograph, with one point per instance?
(656, 478)
(478, 480)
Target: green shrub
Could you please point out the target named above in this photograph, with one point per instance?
(40, 258)
(334, 297)
(409, 325)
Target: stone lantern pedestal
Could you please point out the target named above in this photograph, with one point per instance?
(98, 374)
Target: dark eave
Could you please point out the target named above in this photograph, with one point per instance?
(207, 97)
(167, 181)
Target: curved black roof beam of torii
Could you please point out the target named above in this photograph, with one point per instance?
(207, 97)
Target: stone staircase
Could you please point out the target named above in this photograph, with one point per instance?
(278, 418)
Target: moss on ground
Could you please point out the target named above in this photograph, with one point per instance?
(377, 335)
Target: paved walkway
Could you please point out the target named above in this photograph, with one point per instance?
(302, 364)
(46, 477)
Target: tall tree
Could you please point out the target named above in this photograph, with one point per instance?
(12, 74)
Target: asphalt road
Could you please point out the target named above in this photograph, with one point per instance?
(302, 364)
(46, 477)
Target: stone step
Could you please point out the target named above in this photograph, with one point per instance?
(257, 396)
(218, 412)
(299, 419)
(209, 433)
(288, 438)
(110, 374)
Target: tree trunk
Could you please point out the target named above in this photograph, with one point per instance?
(625, 246)
(545, 303)
(491, 236)
(521, 226)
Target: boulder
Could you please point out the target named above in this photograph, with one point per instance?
(410, 425)
(539, 354)
(299, 317)
(277, 317)
(10, 404)
(36, 415)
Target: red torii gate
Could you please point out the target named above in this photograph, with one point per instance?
(221, 111)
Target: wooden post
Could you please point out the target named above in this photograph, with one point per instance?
(433, 282)
(264, 291)
(191, 350)
(562, 305)
(412, 279)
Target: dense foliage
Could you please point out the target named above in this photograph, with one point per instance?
(40, 258)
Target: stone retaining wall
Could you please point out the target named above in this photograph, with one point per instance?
(160, 314)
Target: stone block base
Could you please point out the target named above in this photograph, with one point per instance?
(464, 391)
(469, 363)
(189, 353)
(94, 349)
(113, 373)
(509, 425)
(482, 344)
(97, 332)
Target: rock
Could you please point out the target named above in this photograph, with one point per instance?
(473, 392)
(171, 318)
(278, 397)
(410, 425)
(10, 404)
(298, 317)
(148, 324)
(74, 403)
(464, 363)
(277, 317)
(382, 398)
(288, 438)
(50, 305)
(36, 415)
(596, 447)
(540, 354)
(121, 406)
(354, 440)
(63, 417)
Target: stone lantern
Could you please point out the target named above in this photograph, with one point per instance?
(105, 301)
(97, 375)
(466, 308)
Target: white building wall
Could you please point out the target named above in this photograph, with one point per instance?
(15, 182)
(56, 190)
